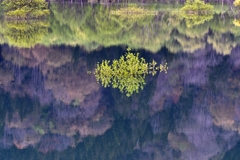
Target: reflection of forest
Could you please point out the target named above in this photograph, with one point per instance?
(96, 27)
(25, 33)
(63, 89)
(25, 22)
(48, 101)
(93, 26)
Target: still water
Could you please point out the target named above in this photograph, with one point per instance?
(52, 108)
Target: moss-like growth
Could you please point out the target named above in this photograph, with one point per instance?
(128, 73)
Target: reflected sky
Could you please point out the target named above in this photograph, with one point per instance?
(51, 108)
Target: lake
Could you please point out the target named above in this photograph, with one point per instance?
(72, 86)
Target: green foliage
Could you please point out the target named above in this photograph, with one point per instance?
(24, 33)
(222, 44)
(25, 24)
(20, 9)
(236, 22)
(127, 74)
(196, 7)
(196, 12)
(94, 26)
(39, 130)
(196, 19)
(133, 12)
(236, 3)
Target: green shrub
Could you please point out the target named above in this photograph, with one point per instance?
(196, 7)
(127, 74)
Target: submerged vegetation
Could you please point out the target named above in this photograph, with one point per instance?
(128, 73)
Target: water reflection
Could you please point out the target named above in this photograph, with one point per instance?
(23, 33)
(56, 87)
(51, 108)
(93, 26)
(25, 22)
(196, 12)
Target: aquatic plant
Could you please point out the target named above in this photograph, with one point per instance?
(128, 73)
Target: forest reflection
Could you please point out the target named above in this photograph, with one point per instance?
(25, 33)
(51, 108)
(25, 22)
(49, 103)
(95, 26)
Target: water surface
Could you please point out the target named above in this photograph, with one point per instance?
(52, 108)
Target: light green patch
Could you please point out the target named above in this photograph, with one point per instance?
(128, 73)
(51, 125)
(39, 130)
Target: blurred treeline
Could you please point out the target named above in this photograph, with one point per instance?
(93, 26)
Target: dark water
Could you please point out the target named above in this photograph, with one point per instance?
(52, 109)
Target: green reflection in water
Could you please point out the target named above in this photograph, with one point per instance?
(236, 3)
(25, 33)
(98, 26)
(196, 12)
(25, 22)
(21, 9)
(133, 12)
(128, 73)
